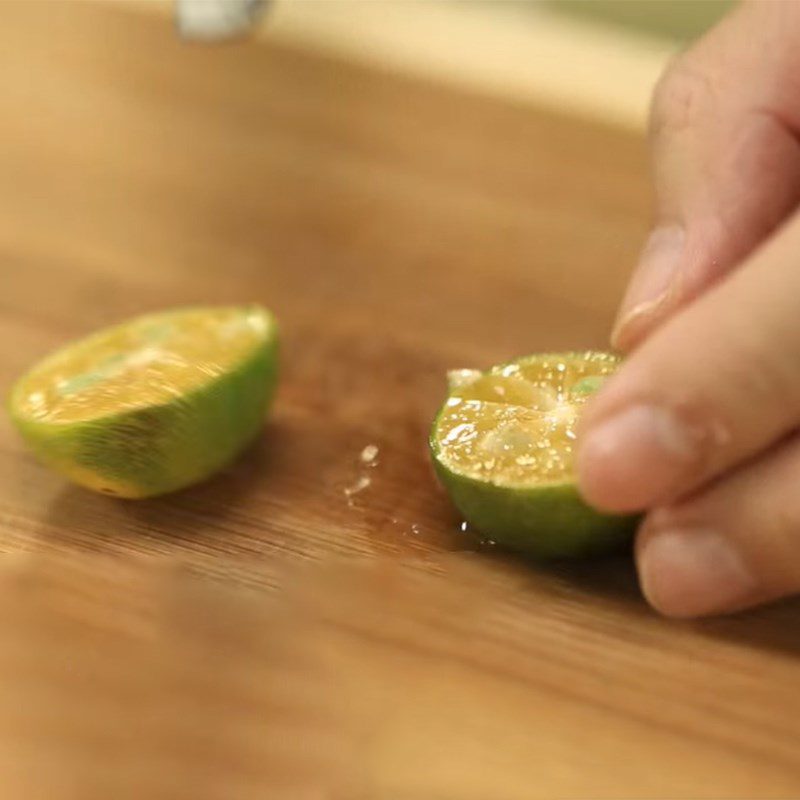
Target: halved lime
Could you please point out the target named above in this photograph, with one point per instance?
(154, 404)
(503, 447)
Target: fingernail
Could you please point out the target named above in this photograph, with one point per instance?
(632, 459)
(650, 288)
(691, 573)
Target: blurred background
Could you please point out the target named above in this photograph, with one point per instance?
(596, 56)
(681, 20)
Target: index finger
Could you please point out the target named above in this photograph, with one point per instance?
(717, 383)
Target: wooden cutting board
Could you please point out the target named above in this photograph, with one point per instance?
(267, 634)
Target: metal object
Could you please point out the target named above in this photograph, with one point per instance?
(213, 20)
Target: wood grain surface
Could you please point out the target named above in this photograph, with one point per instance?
(265, 635)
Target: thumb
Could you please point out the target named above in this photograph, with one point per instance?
(726, 156)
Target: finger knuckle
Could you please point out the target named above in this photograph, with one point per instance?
(682, 96)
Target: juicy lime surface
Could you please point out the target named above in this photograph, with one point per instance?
(154, 404)
(503, 445)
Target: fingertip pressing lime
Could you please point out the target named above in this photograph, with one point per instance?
(154, 404)
(503, 445)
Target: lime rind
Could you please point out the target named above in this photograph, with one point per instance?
(550, 522)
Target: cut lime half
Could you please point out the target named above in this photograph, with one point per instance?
(154, 404)
(503, 446)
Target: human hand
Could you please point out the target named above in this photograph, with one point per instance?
(699, 427)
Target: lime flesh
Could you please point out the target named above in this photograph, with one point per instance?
(503, 446)
(154, 404)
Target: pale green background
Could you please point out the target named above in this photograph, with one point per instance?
(681, 20)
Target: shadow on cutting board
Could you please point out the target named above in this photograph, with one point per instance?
(226, 526)
(776, 627)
